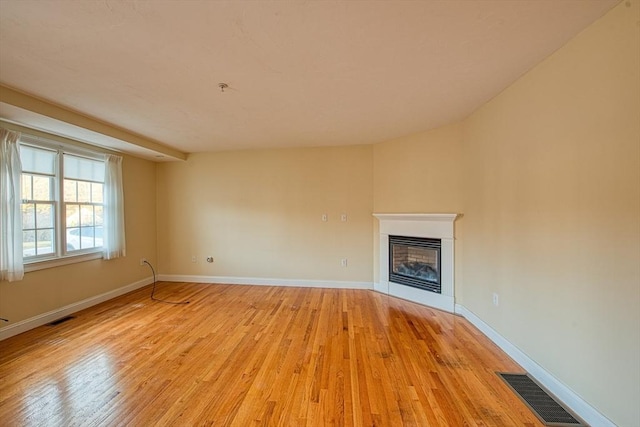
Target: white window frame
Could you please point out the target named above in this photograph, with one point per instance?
(60, 257)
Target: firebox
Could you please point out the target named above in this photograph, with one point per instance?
(415, 261)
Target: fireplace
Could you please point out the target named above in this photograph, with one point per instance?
(415, 261)
(416, 258)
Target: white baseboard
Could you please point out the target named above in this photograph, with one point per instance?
(232, 280)
(431, 299)
(567, 396)
(42, 319)
(382, 287)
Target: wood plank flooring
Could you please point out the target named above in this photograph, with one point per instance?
(256, 355)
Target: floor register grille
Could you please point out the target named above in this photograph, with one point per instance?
(543, 405)
(61, 320)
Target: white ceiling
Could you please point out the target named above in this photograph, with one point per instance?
(300, 73)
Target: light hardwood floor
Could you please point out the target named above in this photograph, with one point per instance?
(257, 355)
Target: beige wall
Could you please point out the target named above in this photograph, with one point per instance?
(51, 289)
(552, 214)
(419, 173)
(258, 213)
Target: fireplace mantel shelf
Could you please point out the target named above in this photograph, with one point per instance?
(417, 216)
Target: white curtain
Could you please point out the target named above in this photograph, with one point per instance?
(113, 232)
(11, 267)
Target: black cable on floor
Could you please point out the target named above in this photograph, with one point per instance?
(153, 291)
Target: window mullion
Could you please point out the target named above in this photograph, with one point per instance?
(60, 234)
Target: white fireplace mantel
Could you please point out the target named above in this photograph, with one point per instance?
(450, 217)
(435, 226)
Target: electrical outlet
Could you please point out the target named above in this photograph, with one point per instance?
(343, 262)
(496, 299)
(194, 259)
(143, 261)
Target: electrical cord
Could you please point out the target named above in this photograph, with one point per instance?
(153, 291)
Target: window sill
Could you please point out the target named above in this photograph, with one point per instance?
(57, 262)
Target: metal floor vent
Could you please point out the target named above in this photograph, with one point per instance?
(546, 408)
(60, 320)
(541, 403)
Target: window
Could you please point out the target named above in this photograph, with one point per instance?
(38, 201)
(62, 201)
(83, 202)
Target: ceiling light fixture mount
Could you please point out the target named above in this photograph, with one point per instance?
(222, 86)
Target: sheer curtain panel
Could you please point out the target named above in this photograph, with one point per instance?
(114, 239)
(11, 267)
